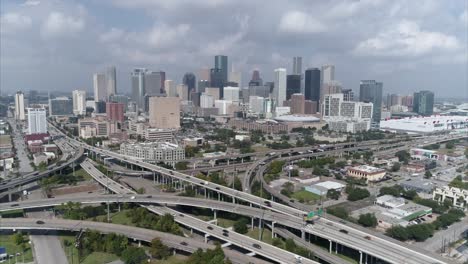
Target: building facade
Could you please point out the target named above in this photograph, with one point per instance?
(60, 106)
(37, 121)
(164, 112)
(79, 102)
(19, 106)
(423, 103)
(154, 152)
(369, 173)
(115, 111)
(279, 89)
(100, 87)
(312, 85)
(371, 91)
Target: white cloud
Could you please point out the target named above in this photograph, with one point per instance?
(464, 18)
(406, 39)
(172, 4)
(13, 22)
(31, 3)
(163, 35)
(59, 24)
(350, 8)
(115, 34)
(300, 22)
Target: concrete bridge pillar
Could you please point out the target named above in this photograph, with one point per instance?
(252, 223)
(233, 200)
(273, 229)
(336, 247)
(228, 162)
(214, 214)
(330, 246)
(242, 160)
(360, 257)
(302, 234)
(206, 238)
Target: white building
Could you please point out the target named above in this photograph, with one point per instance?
(346, 116)
(158, 134)
(279, 90)
(458, 196)
(206, 100)
(282, 110)
(19, 106)
(37, 121)
(100, 87)
(182, 92)
(369, 173)
(256, 104)
(235, 76)
(231, 93)
(170, 88)
(111, 81)
(79, 102)
(223, 106)
(349, 126)
(331, 105)
(327, 74)
(154, 152)
(426, 124)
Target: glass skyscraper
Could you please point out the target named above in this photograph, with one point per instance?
(371, 91)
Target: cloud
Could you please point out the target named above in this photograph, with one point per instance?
(31, 3)
(406, 39)
(464, 18)
(115, 34)
(172, 4)
(163, 35)
(58, 24)
(300, 22)
(13, 22)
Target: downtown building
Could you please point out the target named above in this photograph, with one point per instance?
(279, 89)
(164, 112)
(19, 106)
(423, 103)
(79, 102)
(370, 91)
(60, 106)
(37, 121)
(154, 152)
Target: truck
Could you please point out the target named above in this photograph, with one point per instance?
(312, 216)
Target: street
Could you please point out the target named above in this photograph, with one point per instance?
(48, 249)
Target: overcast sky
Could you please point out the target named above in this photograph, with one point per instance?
(409, 45)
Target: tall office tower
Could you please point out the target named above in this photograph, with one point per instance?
(182, 92)
(154, 83)
(79, 102)
(213, 91)
(37, 121)
(262, 91)
(204, 74)
(235, 77)
(423, 103)
(327, 74)
(170, 88)
(297, 66)
(115, 111)
(100, 87)
(19, 106)
(407, 101)
(393, 99)
(111, 81)
(191, 81)
(370, 91)
(206, 100)
(221, 63)
(256, 80)
(231, 93)
(331, 87)
(331, 105)
(356, 110)
(164, 112)
(33, 97)
(120, 98)
(279, 89)
(256, 104)
(195, 98)
(312, 85)
(293, 85)
(202, 84)
(217, 80)
(60, 106)
(297, 103)
(348, 94)
(138, 87)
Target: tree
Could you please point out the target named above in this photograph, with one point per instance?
(333, 194)
(237, 184)
(134, 255)
(338, 212)
(397, 232)
(450, 145)
(18, 238)
(182, 165)
(427, 174)
(288, 189)
(403, 156)
(158, 249)
(396, 166)
(367, 220)
(240, 226)
(355, 193)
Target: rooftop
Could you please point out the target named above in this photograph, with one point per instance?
(367, 169)
(297, 118)
(330, 185)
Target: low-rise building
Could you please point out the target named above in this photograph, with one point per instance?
(160, 135)
(7, 164)
(266, 126)
(459, 197)
(322, 188)
(369, 173)
(93, 127)
(39, 158)
(242, 137)
(414, 168)
(418, 185)
(35, 146)
(389, 201)
(193, 142)
(154, 152)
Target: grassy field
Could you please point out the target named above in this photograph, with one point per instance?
(11, 248)
(225, 222)
(306, 196)
(93, 258)
(266, 237)
(99, 257)
(177, 259)
(83, 173)
(350, 260)
(258, 148)
(116, 218)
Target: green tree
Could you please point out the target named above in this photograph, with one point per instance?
(450, 145)
(338, 212)
(397, 232)
(181, 165)
(237, 184)
(427, 175)
(18, 238)
(333, 194)
(396, 166)
(133, 255)
(367, 220)
(240, 226)
(403, 156)
(158, 249)
(355, 193)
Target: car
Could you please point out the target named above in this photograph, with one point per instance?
(14, 205)
(368, 237)
(132, 197)
(225, 231)
(257, 246)
(210, 228)
(183, 243)
(268, 203)
(344, 231)
(40, 222)
(181, 215)
(291, 201)
(329, 223)
(217, 188)
(430, 216)
(149, 196)
(226, 234)
(171, 172)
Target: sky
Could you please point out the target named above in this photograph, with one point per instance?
(57, 45)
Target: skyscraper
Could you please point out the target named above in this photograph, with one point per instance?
(221, 63)
(297, 104)
(293, 85)
(115, 111)
(231, 94)
(19, 106)
(170, 88)
(297, 65)
(423, 103)
(61, 106)
(100, 87)
(312, 85)
(37, 122)
(154, 83)
(79, 102)
(138, 87)
(202, 84)
(182, 92)
(235, 77)
(348, 94)
(370, 91)
(256, 80)
(111, 81)
(191, 81)
(279, 89)
(217, 80)
(204, 74)
(328, 74)
(164, 112)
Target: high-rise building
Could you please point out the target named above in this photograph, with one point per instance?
(256, 80)
(213, 91)
(221, 63)
(331, 105)
(312, 85)
(223, 106)
(256, 104)
(423, 103)
(79, 102)
(170, 88)
(371, 91)
(111, 81)
(231, 94)
(138, 87)
(115, 111)
(393, 99)
(348, 94)
(202, 84)
(206, 100)
(100, 87)
(217, 80)
(120, 98)
(407, 101)
(195, 98)
(37, 121)
(154, 83)
(327, 74)
(279, 89)
(310, 107)
(191, 81)
(293, 85)
(164, 112)
(297, 104)
(235, 77)
(19, 106)
(205, 74)
(297, 66)
(60, 106)
(100, 107)
(182, 92)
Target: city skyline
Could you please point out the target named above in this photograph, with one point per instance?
(400, 63)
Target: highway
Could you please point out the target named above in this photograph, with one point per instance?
(138, 234)
(377, 247)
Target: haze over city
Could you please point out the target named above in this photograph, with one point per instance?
(397, 42)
